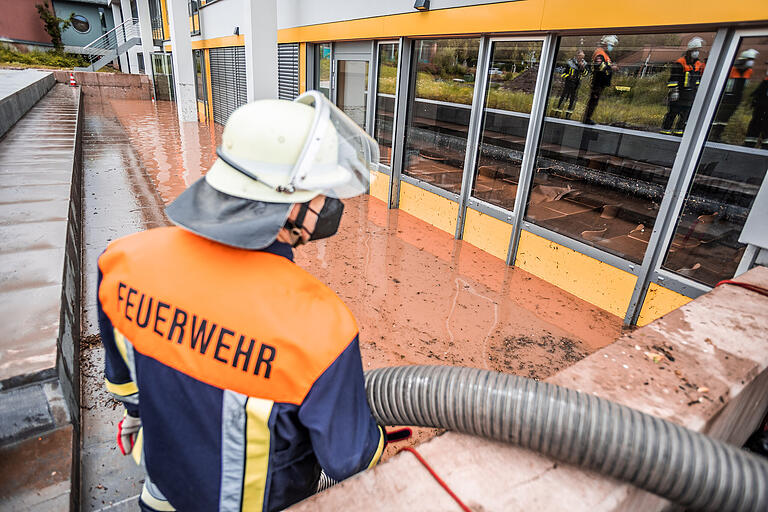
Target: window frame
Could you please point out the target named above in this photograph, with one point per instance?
(374, 82)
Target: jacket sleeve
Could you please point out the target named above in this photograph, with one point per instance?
(117, 376)
(345, 437)
(675, 74)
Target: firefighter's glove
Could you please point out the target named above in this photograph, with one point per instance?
(400, 434)
(127, 431)
(674, 94)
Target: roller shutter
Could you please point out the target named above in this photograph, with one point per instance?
(288, 71)
(228, 82)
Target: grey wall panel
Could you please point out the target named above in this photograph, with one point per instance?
(228, 82)
(298, 13)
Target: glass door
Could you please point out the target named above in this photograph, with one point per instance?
(352, 89)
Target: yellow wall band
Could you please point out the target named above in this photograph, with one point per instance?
(208, 89)
(531, 15)
(487, 233)
(429, 207)
(658, 302)
(302, 68)
(379, 185)
(219, 42)
(164, 15)
(596, 282)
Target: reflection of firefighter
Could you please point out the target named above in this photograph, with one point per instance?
(758, 126)
(602, 71)
(575, 68)
(684, 77)
(734, 91)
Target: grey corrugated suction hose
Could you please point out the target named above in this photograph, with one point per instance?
(658, 456)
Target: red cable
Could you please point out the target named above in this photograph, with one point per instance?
(439, 480)
(751, 287)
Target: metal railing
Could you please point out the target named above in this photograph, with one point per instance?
(109, 43)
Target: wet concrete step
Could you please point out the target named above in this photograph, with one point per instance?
(40, 272)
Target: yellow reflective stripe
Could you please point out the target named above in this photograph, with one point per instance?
(129, 388)
(685, 81)
(120, 342)
(379, 450)
(672, 84)
(138, 447)
(257, 438)
(154, 503)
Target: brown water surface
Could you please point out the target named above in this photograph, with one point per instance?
(420, 297)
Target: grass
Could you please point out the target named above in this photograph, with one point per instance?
(642, 107)
(39, 59)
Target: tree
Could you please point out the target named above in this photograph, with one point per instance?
(53, 24)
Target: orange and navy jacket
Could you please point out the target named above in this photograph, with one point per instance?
(686, 77)
(602, 72)
(244, 369)
(734, 86)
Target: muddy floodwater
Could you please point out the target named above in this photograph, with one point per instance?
(419, 296)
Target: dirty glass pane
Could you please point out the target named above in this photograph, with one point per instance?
(442, 83)
(732, 166)
(323, 68)
(615, 112)
(512, 75)
(162, 70)
(200, 75)
(386, 82)
(352, 96)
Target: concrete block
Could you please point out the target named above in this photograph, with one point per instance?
(23, 412)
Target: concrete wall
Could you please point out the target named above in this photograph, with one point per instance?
(15, 104)
(20, 22)
(110, 85)
(297, 13)
(70, 36)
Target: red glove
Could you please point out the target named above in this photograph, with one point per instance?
(400, 434)
(127, 430)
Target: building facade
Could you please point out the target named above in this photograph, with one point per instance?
(612, 149)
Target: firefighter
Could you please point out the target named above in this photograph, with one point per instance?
(758, 125)
(602, 72)
(684, 78)
(734, 91)
(575, 69)
(240, 372)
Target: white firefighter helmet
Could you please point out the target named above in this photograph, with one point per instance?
(695, 43)
(609, 40)
(275, 153)
(750, 54)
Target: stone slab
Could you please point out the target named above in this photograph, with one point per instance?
(711, 378)
(20, 90)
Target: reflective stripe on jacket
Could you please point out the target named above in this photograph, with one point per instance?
(244, 369)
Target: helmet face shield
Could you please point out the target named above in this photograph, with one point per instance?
(338, 156)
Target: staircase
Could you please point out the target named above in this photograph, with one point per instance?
(111, 45)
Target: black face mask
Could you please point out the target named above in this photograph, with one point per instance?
(328, 219)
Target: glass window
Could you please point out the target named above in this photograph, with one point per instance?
(80, 23)
(732, 166)
(194, 17)
(386, 84)
(352, 94)
(199, 59)
(512, 75)
(162, 70)
(616, 109)
(323, 68)
(440, 103)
